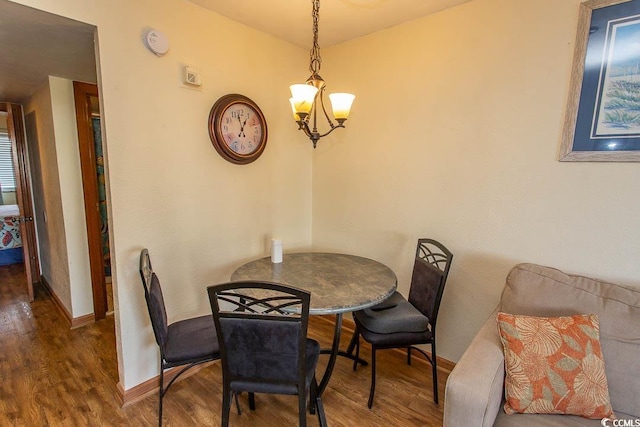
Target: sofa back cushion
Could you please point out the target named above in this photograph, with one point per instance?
(535, 290)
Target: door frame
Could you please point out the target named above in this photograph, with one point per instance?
(15, 121)
(82, 93)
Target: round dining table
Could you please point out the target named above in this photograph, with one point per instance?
(338, 284)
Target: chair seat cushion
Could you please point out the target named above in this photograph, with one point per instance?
(396, 339)
(191, 340)
(402, 317)
(312, 352)
(392, 301)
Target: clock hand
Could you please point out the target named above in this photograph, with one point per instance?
(242, 127)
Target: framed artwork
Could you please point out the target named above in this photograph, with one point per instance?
(602, 122)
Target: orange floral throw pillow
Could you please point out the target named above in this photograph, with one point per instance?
(554, 365)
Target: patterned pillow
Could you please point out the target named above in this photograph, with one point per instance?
(554, 366)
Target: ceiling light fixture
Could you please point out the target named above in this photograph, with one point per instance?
(305, 97)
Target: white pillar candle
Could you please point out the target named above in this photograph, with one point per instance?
(276, 251)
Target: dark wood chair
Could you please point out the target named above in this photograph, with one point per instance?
(398, 322)
(262, 328)
(186, 343)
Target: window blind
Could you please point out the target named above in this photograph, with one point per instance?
(7, 175)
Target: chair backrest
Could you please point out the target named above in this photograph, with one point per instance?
(262, 330)
(155, 301)
(430, 271)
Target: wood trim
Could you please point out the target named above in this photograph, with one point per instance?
(151, 386)
(74, 322)
(85, 320)
(15, 123)
(56, 301)
(349, 326)
(82, 93)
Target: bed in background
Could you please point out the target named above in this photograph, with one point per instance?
(10, 240)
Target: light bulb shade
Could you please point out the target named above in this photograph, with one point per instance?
(303, 96)
(341, 104)
(296, 117)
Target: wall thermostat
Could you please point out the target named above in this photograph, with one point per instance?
(156, 41)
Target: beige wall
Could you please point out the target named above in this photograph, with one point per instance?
(48, 212)
(454, 135)
(199, 215)
(72, 196)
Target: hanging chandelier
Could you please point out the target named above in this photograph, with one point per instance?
(306, 97)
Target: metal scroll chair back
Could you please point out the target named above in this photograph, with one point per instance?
(262, 328)
(430, 272)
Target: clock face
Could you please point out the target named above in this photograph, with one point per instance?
(237, 128)
(241, 128)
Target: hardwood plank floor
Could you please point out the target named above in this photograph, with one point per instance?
(53, 376)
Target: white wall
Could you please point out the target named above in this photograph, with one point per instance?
(200, 216)
(454, 135)
(71, 194)
(48, 206)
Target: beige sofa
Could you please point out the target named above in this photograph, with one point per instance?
(475, 388)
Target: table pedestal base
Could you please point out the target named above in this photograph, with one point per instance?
(335, 351)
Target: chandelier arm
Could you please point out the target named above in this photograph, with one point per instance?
(331, 130)
(324, 110)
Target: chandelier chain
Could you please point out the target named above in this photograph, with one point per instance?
(316, 61)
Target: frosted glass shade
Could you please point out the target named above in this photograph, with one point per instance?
(303, 96)
(341, 104)
(296, 117)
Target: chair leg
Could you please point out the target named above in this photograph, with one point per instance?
(313, 394)
(252, 401)
(322, 421)
(302, 409)
(409, 355)
(356, 335)
(315, 403)
(226, 405)
(160, 395)
(434, 368)
(354, 340)
(373, 376)
(235, 397)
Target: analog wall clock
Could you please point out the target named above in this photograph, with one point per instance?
(237, 128)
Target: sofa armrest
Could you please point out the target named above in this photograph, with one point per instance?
(475, 386)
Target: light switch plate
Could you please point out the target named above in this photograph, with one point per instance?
(192, 76)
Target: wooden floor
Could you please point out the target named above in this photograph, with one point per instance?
(53, 376)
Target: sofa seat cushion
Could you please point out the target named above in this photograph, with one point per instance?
(535, 290)
(554, 366)
(546, 420)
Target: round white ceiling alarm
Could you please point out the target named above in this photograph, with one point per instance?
(156, 41)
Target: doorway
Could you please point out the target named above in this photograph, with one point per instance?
(88, 121)
(17, 229)
(37, 45)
